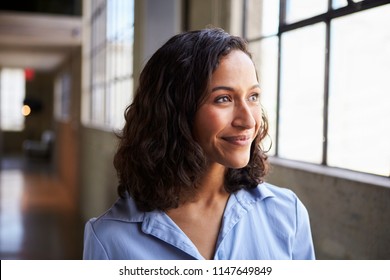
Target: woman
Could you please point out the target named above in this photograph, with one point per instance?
(191, 167)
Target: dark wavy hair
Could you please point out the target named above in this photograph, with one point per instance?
(158, 162)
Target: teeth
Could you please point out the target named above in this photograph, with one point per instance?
(238, 138)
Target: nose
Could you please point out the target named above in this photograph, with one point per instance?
(244, 116)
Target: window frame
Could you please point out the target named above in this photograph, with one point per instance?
(284, 27)
(105, 74)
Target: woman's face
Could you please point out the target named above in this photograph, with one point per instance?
(229, 119)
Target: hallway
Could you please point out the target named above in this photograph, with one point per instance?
(37, 219)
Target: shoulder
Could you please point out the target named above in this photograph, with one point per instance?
(266, 193)
(283, 202)
(274, 201)
(121, 214)
(106, 234)
(280, 207)
(279, 194)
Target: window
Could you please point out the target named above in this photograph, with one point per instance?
(62, 93)
(261, 30)
(12, 93)
(301, 91)
(111, 62)
(359, 103)
(297, 10)
(324, 68)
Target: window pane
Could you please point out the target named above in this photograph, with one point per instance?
(97, 103)
(119, 56)
(12, 91)
(359, 101)
(98, 63)
(262, 18)
(265, 56)
(297, 10)
(302, 86)
(336, 4)
(62, 95)
(120, 98)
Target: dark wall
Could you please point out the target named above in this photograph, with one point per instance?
(67, 148)
(61, 7)
(349, 218)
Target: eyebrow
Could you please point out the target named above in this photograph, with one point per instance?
(232, 89)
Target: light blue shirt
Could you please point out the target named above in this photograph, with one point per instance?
(267, 222)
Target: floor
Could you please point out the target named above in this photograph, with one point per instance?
(37, 219)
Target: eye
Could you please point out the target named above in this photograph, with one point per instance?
(222, 99)
(254, 98)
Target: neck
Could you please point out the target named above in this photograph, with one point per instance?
(211, 186)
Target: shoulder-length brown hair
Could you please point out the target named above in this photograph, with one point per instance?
(158, 161)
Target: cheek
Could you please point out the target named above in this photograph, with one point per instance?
(208, 123)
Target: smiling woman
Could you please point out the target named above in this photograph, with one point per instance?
(230, 118)
(191, 166)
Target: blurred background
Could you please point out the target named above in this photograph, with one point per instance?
(69, 68)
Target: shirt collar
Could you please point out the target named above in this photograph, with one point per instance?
(126, 210)
(156, 223)
(250, 196)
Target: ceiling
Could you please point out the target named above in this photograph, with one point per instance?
(37, 41)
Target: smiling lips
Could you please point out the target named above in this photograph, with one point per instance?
(239, 140)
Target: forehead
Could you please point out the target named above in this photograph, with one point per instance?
(235, 67)
(229, 69)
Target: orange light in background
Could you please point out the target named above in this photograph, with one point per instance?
(29, 74)
(26, 110)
